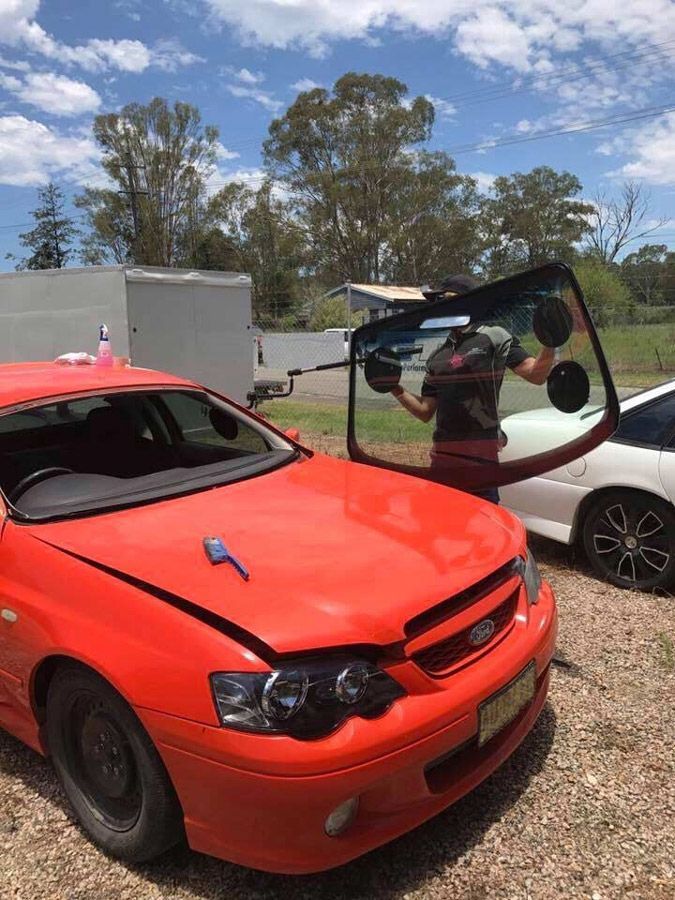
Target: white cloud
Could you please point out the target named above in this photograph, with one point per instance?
(53, 94)
(16, 65)
(485, 181)
(264, 98)
(97, 55)
(169, 55)
(31, 153)
(651, 152)
(219, 178)
(18, 28)
(444, 109)
(520, 34)
(248, 87)
(223, 153)
(493, 36)
(305, 84)
(129, 8)
(247, 77)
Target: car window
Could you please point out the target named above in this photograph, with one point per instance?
(192, 415)
(24, 421)
(90, 453)
(651, 425)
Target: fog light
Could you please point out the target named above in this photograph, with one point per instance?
(341, 817)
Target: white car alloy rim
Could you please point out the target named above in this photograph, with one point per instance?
(632, 543)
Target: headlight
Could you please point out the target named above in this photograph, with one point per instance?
(306, 700)
(531, 578)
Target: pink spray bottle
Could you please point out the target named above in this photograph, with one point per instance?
(104, 357)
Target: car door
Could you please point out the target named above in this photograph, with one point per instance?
(10, 682)
(463, 352)
(667, 464)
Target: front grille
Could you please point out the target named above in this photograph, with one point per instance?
(458, 602)
(447, 654)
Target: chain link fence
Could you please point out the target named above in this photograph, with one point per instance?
(639, 345)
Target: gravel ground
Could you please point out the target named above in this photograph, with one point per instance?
(585, 808)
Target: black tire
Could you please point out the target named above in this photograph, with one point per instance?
(109, 768)
(629, 539)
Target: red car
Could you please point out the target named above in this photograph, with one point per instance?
(218, 634)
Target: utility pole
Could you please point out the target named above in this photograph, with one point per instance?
(133, 193)
(349, 315)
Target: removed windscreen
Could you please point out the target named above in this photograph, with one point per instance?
(484, 388)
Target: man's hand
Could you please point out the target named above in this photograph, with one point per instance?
(536, 371)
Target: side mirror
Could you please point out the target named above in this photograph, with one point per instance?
(224, 424)
(293, 434)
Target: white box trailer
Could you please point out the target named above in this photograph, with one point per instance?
(194, 324)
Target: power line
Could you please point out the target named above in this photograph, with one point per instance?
(612, 121)
(621, 119)
(572, 73)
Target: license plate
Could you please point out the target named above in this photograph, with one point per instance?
(501, 708)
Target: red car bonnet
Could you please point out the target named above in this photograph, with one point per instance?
(338, 553)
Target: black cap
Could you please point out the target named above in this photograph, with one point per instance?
(455, 284)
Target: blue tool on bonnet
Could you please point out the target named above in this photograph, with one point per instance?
(218, 553)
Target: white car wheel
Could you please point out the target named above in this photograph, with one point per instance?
(629, 539)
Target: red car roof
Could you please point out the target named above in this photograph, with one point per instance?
(22, 382)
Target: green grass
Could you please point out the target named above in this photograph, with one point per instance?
(631, 351)
(638, 348)
(330, 419)
(391, 423)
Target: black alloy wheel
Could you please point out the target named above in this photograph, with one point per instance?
(109, 768)
(629, 539)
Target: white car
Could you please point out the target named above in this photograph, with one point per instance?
(616, 502)
(346, 336)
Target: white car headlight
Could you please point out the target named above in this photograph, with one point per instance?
(531, 578)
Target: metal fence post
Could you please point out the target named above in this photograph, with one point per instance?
(349, 315)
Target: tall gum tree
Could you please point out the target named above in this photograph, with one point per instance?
(342, 156)
(158, 158)
(532, 218)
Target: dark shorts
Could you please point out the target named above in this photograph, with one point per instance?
(491, 494)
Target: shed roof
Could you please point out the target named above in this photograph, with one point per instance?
(393, 293)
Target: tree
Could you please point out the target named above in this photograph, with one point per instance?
(258, 234)
(159, 158)
(434, 225)
(642, 272)
(342, 157)
(110, 235)
(331, 312)
(668, 279)
(533, 218)
(607, 296)
(617, 223)
(51, 239)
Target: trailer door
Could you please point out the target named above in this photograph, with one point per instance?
(199, 328)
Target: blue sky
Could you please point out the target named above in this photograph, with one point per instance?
(497, 70)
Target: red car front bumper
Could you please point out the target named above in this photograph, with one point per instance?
(266, 804)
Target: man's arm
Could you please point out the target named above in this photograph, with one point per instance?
(536, 370)
(423, 408)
